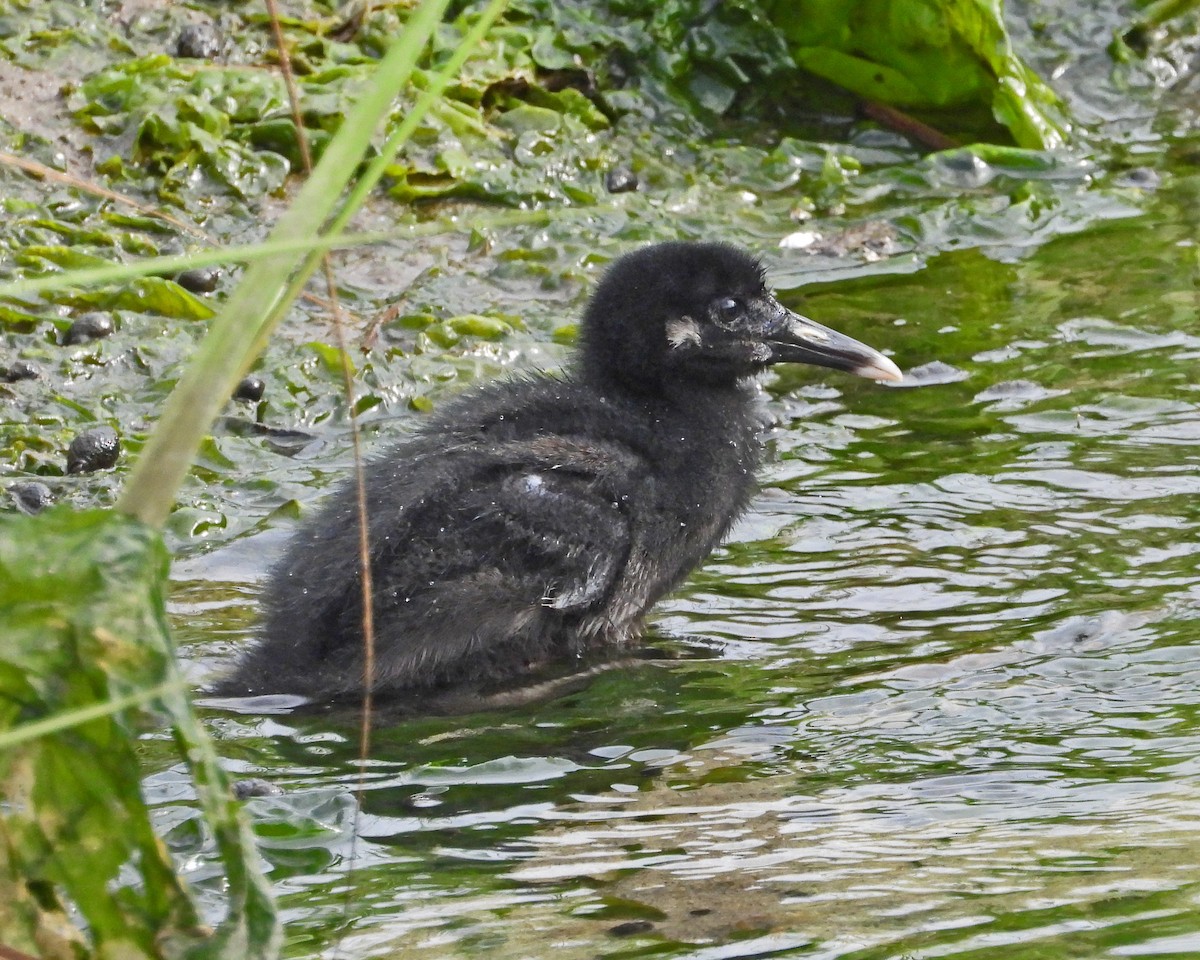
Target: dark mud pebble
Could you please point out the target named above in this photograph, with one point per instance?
(255, 787)
(91, 326)
(287, 443)
(22, 370)
(631, 927)
(198, 41)
(1143, 178)
(95, 449)
(620, 180)
(200, 280)
(31, 497)
(1137, 38)
(250, 388)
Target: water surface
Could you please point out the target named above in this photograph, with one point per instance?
(944, 690)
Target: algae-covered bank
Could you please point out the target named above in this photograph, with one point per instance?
(939, 693)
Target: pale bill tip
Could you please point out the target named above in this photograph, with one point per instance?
(879, 367)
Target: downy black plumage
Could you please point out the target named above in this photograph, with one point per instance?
(540, 518)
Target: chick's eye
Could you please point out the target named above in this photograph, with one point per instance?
(729, 306)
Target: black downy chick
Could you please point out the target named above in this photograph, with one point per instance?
(541, 518)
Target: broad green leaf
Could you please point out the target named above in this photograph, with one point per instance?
(86, 653)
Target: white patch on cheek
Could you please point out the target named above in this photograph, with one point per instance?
(682, 332)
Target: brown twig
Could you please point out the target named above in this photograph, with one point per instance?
(370, 335)
(49, 173)
(360, 487)
(907, 125)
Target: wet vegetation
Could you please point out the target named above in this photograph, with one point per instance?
(937, 696)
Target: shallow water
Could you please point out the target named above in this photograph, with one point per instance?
(944, 690)
(937, 697)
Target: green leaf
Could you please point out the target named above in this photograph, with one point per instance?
(475, 325)
(332, 359)
(925, 55)
(146, 295)
(527, 118)
(86, 645)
